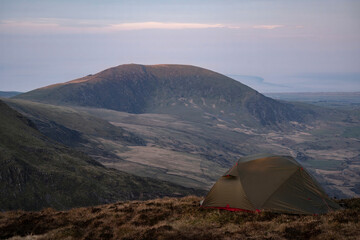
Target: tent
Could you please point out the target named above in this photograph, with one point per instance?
(269, 182)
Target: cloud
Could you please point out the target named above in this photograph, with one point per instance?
(54, 25)
(7, 24)
(46, 25)
(73, 26)
(267, 27)
(162, 25)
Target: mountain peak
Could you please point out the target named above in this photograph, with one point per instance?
(161, 88)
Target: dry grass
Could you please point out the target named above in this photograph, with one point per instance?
(177, 218)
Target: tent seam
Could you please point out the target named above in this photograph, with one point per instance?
(280, 186)
(247, 198)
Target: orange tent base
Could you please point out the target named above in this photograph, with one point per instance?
(234, 209)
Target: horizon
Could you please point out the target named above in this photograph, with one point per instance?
(272, 46)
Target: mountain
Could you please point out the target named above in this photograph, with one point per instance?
(37, 172)
(188, 125)
(169, 88)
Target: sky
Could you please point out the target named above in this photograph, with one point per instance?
(270, 45)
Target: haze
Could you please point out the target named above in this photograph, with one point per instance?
(272, 46)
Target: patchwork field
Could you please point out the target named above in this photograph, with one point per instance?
(320, 147)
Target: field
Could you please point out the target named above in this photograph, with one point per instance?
(177, 218)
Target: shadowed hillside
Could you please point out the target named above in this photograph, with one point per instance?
(37, 172)
(178, 218)
(169, 88)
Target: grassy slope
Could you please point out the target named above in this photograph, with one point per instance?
(37, 173)
(178, 218)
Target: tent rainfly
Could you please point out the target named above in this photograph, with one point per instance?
(269, 182)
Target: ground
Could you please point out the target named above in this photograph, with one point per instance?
(177, 218)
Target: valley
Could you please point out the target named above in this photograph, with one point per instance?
(195, 155)
(38, 172)
(322, 153)
(188, 125)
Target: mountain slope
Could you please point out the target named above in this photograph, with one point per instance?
(177, 89)
(37, 173)
(71, 127)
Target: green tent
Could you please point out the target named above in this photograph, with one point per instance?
(269, 182)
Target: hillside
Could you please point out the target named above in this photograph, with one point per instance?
(177, 218)
(37, 172)
(179, 89)
(75, 128)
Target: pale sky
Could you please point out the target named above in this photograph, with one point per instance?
(270, 45)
